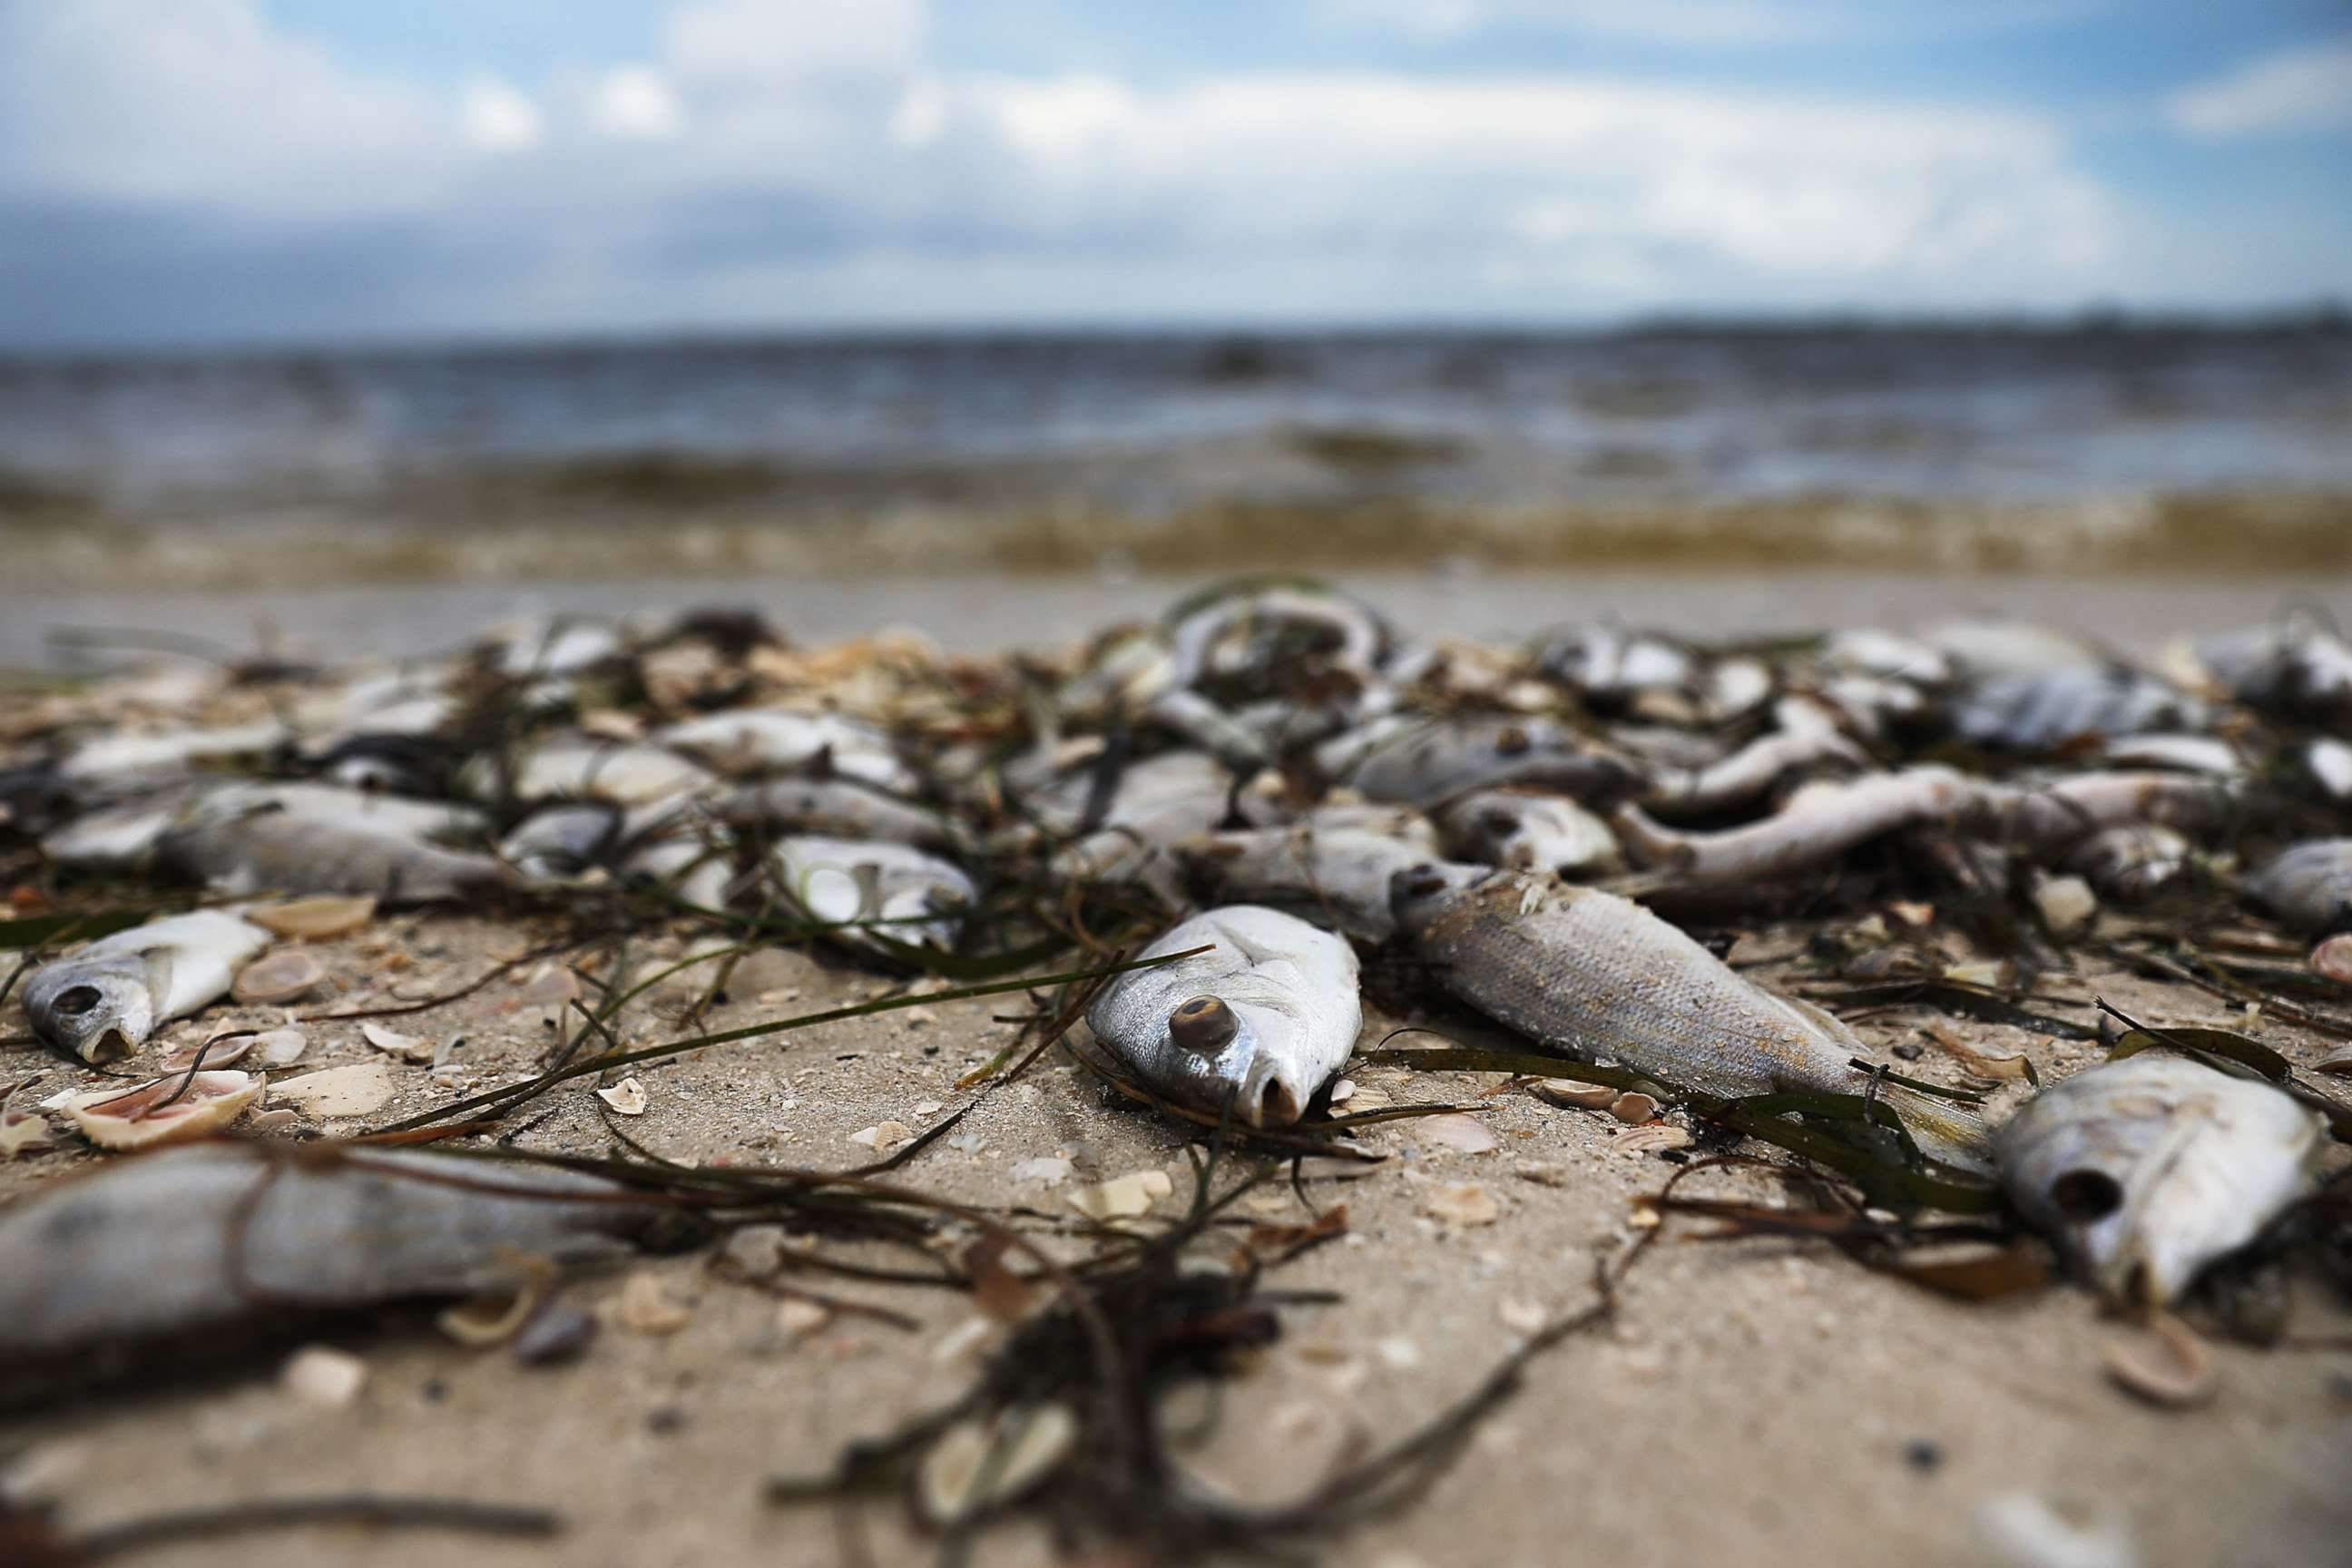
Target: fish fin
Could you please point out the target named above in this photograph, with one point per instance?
(1943, 1130)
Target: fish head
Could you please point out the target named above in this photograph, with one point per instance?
(98, 1011)
(1238, 1052)
(1418, 894)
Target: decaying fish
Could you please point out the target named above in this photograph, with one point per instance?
(1807, 737)
(1586, 971)
(1333, 868)
(2131, 861)
(2309, 887)
(2296, 666)
(837, 808)
(1426, 762)
(2148, 1169)
(1263, 1019)
(2046, 709)
(581, 767)
(104, 1000)
(239, 851)
(762, 741)
(923, 896)
(1527, 832)
(164, 1247)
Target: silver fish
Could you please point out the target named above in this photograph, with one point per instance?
(2298, 667)
(1334, 868)
(104, 1001)
(2131, 861)
(2309, 886)
(1527, 832)
(1427, 763)
(748, 740)
(838, 808)
(2147, 1170)
(847, 880)
(2051, 708)
(1583, 969)
(266, 849)
(1807, 737)
(1263, 1019)
(204, 1238)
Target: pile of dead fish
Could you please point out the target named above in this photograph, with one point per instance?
(1273, 774)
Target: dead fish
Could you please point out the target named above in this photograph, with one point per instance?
(268, 849)
(754, 740)
(835, 808)
(1426, 763)
(1821, 821)
(1807, 737)
(841, 879)
(1583, 969)
(155, 1249)
(1153, 804)
(1611, 664)
(559, 842)
(132, 753)
(563, 645)
(2147, 1170)
(581, 767)
(2297, 667)
(1333, 868)
(2047, 709)
(2309, 886)
(1263, 1019)
(1989, 648)
(1885, 655)
(1526, 832)
(2131, 861)
(104, 1001)
(1240, 635)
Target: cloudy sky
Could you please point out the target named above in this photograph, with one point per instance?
(188, 171)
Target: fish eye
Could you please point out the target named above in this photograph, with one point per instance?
(1422, 881)
(77, 1000)
(2084, 1196)
(1202, 1024)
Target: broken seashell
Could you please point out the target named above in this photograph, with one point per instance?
(1468, 1205)
(220, 1051)
(281, 1048)
(1124, 1198)
(315, 919)
(494, 1317)
(164, 1110)
(2332, 959)
(281, 977)
(1569, 1091)
(22, 1132)
(628, 1098)
(976, 1466)
(1520, 1317)
(645, 1307)
(1991, 1066)
(1050, 1169)
(2066, 903)
(757, 1251)
(2020, 1529)
(550, 987)
(1650, 1138)
(1462, 1134)
(2182, 1375)
(408, 1047)
(317, 1375)
(797, 1319)
(887, 1135)
(353, 1090)
(1342, 1092)
(1634, 1109)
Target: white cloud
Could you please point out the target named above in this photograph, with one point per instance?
(782, 39)
(497, 118)
(1706, 23)
(635, 103)
(2301, 89)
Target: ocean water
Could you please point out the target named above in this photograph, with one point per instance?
(1431, 430)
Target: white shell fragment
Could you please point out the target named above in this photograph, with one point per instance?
(278, 977)
(316, 1375)
(169, 1109)
(315, 919)
(628, 1098)
(977, 1465)
(354, 1091)
(408, 1047)
(1124, 1198)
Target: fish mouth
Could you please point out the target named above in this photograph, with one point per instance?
(1269, 1100)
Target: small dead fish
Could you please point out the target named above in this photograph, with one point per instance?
(559, 842)
(104, 1001)
(1583, 969)
(1610, 663)
(2047, 709)
(2297, 667)
(1526, 832)
(2309, 886)
(129, 754)
(2131, 861)
(1266, 1018)
(1426, 763)
(835, 808)
(581, 767)
(267, 850)
(2147, 1170)
(755, 739)
(1244, 634)
(146, 1253)
(1334, 868)
(846, 880)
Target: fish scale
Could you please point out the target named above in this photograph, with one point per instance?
(1588, 971)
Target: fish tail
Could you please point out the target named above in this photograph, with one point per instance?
(1946, 1131)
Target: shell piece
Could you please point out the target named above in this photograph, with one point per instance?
(628, 1098)
(977, 1465)
(282, 976)
(2146, 1169)
(354, 1091)
(392, 1042)
(169, 1109)
(316, 919)
(1124, 1198)
(317, 1375)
